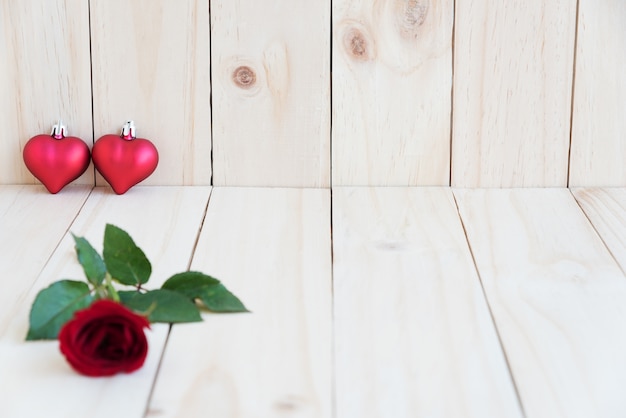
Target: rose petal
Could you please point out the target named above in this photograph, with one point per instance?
(105, 339)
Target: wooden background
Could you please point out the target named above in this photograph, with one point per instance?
(319, 93)
(395, 302)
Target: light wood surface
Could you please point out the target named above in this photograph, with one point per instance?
(271, 92)
(164, 222)
(44, 77)
(392, 79)
(606, 209)
(271, 247)
(511, 304)
(32, 223)
(413, 333)
(96, 64)
(599, 122)
(512, 93)
(557, 297)
(151, 65)
(405, 330)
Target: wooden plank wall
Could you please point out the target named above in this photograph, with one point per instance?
(151, 64)
(241, 92)
(44, 76)
(392, 80)
(512, 88)
(599, 122)
(271, 101)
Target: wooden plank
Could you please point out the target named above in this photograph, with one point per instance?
(272, 248)
(271, 94)
(151, 64)
(44, 76)
(413, 333)
(513, 65)
(606, 209)
(557, 296)
(32, 223)
(598, 125)
(392, 79)
(164, 222)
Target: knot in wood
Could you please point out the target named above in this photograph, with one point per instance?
(357, 45)
(244, 77)
(415, 13)
(411, 17)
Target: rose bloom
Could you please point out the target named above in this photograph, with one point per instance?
(104, 339)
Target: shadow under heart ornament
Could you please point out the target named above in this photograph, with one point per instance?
(56, 160)
(124, 160)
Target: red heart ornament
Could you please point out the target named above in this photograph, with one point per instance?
(56, 160)
(124, 160)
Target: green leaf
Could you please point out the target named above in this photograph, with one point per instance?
(210, 291)
(161, 306)
(92, 263)
(125, 262)
(54, 306)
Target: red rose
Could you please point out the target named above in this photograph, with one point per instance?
(105, 339)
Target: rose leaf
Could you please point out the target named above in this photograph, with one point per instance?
(161, 306)
(126, 262)
(92, 263)
(210, 291)
(54, 306)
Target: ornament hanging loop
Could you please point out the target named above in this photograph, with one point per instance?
(59, 130)
(128, 130)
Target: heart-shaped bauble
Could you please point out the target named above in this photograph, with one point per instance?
(124, 162)
(56, 162)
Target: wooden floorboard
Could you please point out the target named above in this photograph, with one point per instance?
(413, 333)
(272, 248)
(510, 305)
(557, 296)
(32, 223)
(35, 380)
(606, 210)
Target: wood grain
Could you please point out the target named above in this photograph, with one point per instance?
(513, 65)
(151, 65)
(392, 79)
(44, 76)
(414, 337)
(606, 209)
(164, 222)
(271, 247)
(271, 92)
(599, 125)
(32, 223)
(557, 296)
